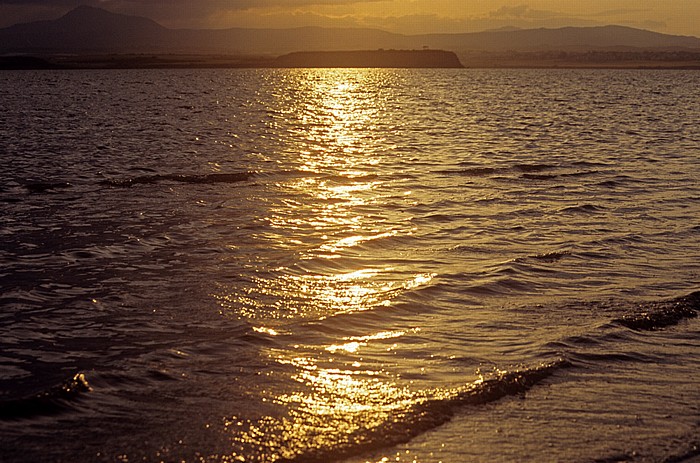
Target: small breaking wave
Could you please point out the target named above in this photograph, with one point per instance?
(426, 414)
(46, 187)
(484, 171)
(539, 176)
(541, 172)
(473, 172)
(547, 257)
(662, 314)
(692, 450)
(551, 256)
(534, 167)
(180, 178)
(581, 209)
(49, 402)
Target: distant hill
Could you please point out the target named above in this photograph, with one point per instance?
(93, 30)
(564, 39)
(83, 29)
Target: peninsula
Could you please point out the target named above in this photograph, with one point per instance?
(369, 59)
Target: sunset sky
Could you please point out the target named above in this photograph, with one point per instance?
(404, 16)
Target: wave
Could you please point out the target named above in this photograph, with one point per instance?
(44, 187)
(551, 256)
(539, 176)
(522, 171)
(547, 257)
(49, 402)
(180, 178)
(581, 209)
(534, 167)
(483, 171)
(662, 314)
(431, 409)
(692, 450)
(581, 173)
(429, 413)
(474, 172)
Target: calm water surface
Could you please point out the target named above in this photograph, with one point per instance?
(360, 265)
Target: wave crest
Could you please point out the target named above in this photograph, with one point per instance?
(180, 178)
(48, 402)
(663, 314)
(427, 413)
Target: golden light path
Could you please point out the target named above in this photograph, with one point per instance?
(327, 214)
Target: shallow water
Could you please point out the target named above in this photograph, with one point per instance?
(318, 265)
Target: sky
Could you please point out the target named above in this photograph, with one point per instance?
(680, 17)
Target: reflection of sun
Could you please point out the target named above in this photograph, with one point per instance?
(321, 296)
(332, 209)
(324, 223)
(343, 114)
(337, 409)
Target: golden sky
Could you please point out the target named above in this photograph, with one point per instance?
(405, 16)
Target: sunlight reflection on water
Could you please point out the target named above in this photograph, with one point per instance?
(339, 397)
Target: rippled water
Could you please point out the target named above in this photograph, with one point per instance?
(373, 265)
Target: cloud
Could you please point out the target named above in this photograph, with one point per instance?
(506, 11)
(523, 12)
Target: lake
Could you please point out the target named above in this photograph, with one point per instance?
(354, 265)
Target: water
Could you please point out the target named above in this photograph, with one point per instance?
(360, 265)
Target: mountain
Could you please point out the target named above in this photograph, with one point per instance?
(564, 39)
(83, 29)
(93, 30)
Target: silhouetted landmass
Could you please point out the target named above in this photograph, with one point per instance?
(158, 61)
(96, 31)
(550, 59)
(370, 59)
(89, 30)
(88, 37)
(26, 62)
(594, 59)
(573, 39)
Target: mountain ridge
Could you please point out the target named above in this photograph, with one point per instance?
(88, 29)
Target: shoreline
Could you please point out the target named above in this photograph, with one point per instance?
(689, 61)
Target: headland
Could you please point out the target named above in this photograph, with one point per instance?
(370, 59)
